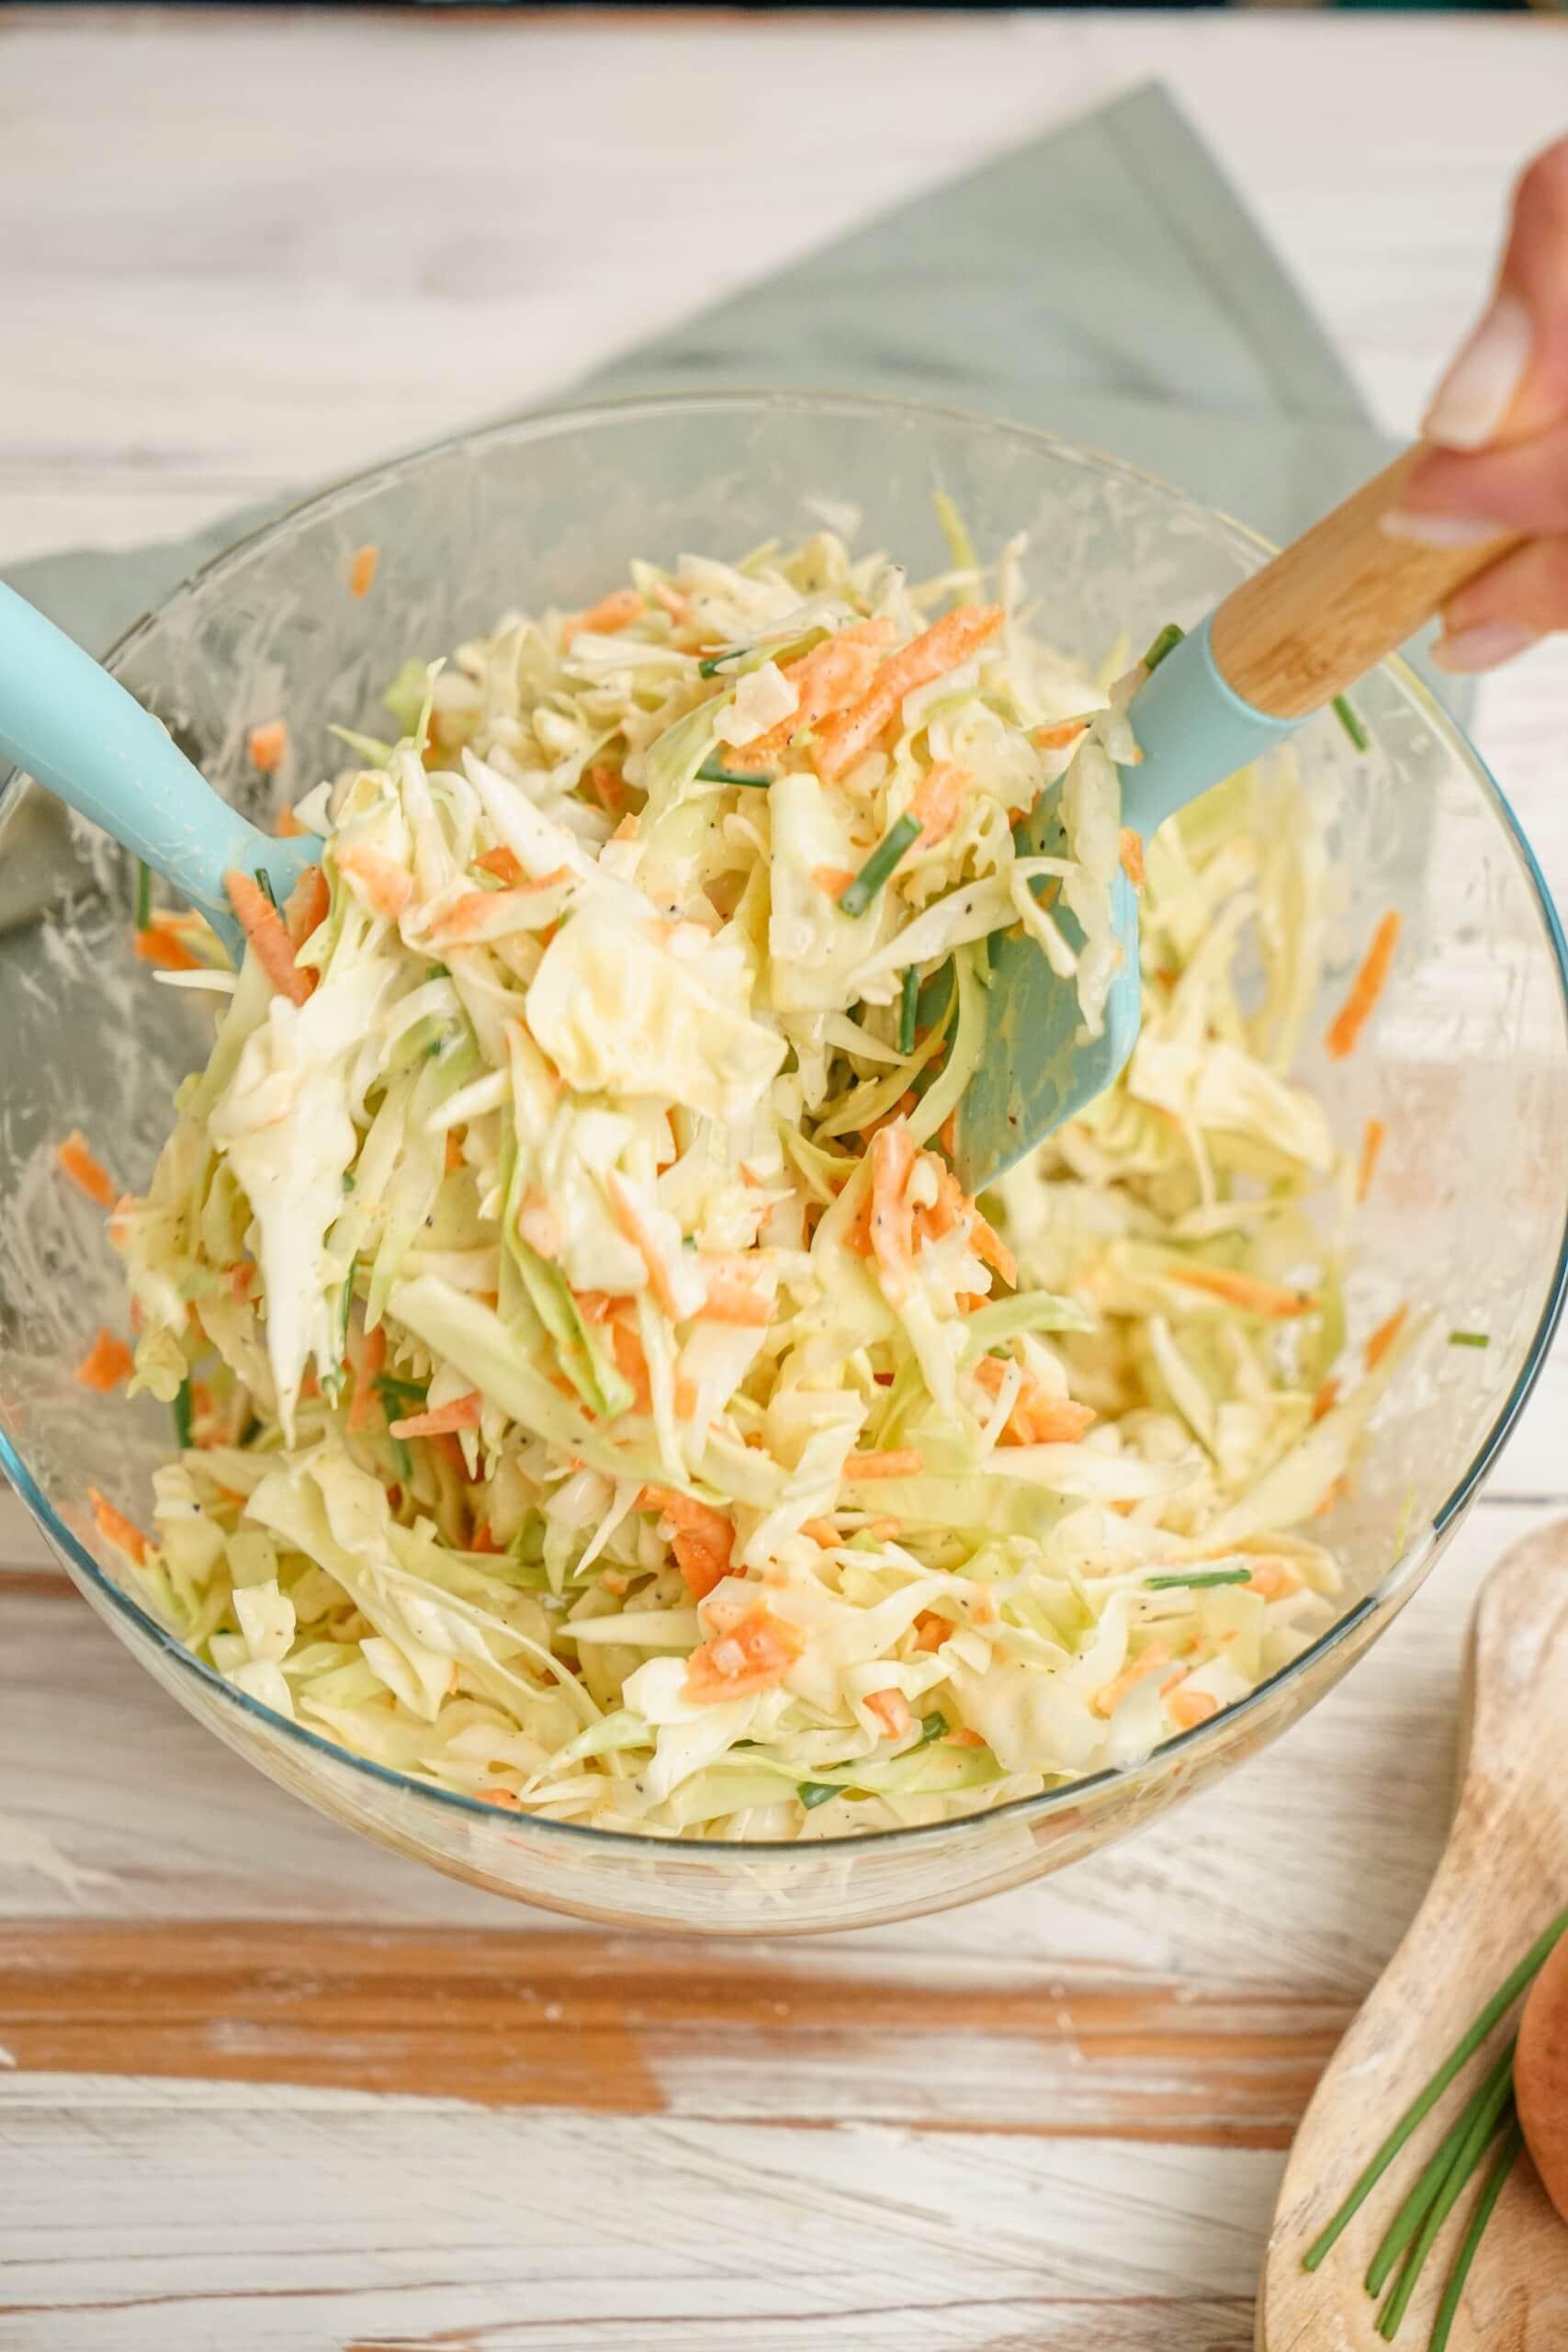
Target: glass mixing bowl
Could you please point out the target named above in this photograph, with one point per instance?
(1467, 1062)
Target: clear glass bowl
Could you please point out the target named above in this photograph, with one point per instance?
(1467, 1062)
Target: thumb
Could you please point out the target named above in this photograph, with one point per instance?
(1511, 380)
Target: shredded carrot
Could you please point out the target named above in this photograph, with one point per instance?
(891, 1711)
(1065, 732)
(844, 738)
(1326, 1398)
(116, 1528)
(441, 1420)
(1249, 1291)
(828, 678)
(931, 1630)
(1190, 1708)
(384, 885)
(1365, 989)
(611, 614)
(1373, 1137)
(483, 1538)
(263, 927)
(267, 747)
(1274, 1580)
(821, 1530)
(1337, 1493)
(1106, 1701)
(832, 880)
(107, 1362)
(1038, 1417)
(362, 570)
(306, 906)
(608, 788)
(755, 1653)
(734, 1297)
(670, 600)
(503, 1797)
(1132, 849)
(85, 1172)
(367, 1371)
(885, 1529)
(632, 1365)
(289, 829)
(160, 945)
(992, 1250)
(624, 1209)
(503, 864)
(936, 800)
(454, 1158)
(704, 1538)
(1384, 1338)
(475, 909)
(891, 1225)
(901, 1461)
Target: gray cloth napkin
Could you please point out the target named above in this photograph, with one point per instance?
(1103, 281)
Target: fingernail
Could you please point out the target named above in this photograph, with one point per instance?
(1473, 397)
(1438, 530)
(1484, 647)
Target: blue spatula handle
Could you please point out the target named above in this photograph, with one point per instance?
(68, 723)
(1193, 730)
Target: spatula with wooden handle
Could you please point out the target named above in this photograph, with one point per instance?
(1284, 643)
(1502, 1880)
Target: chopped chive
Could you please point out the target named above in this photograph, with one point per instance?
(1421, 2108)
(1350, 718)
(815, 1792)
(402, 1460)
(1469, 1339)
(1198, 1583)
(1466, 2156)
(713, 771)
(264, 883)
(144, 894)
(1165, 642)
(182, 1414)
(1418, 2204)
(710, 668)
(858, 895)
(1512, 2142)
(931, 1727)
(909, 1002)
(401, 1392)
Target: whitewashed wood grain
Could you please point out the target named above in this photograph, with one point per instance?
(261, 246)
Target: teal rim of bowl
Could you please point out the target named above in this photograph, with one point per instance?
(542, 424)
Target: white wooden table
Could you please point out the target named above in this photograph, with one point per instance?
(265, 2087)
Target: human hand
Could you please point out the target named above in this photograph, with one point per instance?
(1497, 431)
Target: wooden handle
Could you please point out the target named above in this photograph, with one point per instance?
(1330, 606)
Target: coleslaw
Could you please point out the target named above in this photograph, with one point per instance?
(596, 1393)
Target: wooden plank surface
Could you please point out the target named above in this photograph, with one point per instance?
(264, 2085)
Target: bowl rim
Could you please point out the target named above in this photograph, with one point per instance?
(1414, 1555)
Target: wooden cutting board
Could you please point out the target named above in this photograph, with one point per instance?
(1502, 1878)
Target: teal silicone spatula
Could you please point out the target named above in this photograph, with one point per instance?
(66, 722)
(1285, 642)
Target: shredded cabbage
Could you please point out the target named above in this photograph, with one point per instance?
(602, 1398)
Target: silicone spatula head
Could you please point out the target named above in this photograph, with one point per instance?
(77, 731)
(1316, 618)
